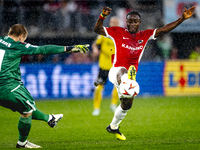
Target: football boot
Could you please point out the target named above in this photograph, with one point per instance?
(99, 81)
(117, 133)
(132, 73)
(28, 145)
(55, 118)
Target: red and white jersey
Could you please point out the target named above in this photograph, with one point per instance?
(128, 47)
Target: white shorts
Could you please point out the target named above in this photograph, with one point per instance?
(113, 74)
(113, 78)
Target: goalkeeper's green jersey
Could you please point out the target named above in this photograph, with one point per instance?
(10, 56)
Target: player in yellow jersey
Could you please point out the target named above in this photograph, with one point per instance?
(107, 49)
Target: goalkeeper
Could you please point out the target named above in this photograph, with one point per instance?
(13, 95)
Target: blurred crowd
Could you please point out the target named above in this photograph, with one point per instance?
(56, 15)
(76, 18)
(64, 58)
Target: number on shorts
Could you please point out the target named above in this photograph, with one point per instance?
(2, 52)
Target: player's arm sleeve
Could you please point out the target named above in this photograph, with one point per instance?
(105, 29)
(151, 34)
(49, 49)
(46, 49)
(110, 31)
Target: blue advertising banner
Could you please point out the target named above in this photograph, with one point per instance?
(150, 78)
(173, 10)
(59, 81)
(46, 81)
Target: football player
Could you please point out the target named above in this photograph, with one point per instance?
(130, 44)
(13, 95)
(107, 49)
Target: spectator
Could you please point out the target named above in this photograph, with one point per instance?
(10, 13)
(164, 45)
(174, 53)
(52, 15)
(55, 59)
(40, 58)
(195, 55)
(68, 8)
(77, 58)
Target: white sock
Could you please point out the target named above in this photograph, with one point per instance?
(21, 143)
(50, 117)
(118, 117)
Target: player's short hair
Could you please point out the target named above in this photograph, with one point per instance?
(17, 30)
(133, 12)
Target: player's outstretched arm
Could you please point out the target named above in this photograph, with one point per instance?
(56, 49)
(187, 13)
(77, 48)
(98, 28)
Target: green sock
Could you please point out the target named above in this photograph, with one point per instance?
(24, 127)
(38, 115)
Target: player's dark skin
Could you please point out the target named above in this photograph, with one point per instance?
(133, 22)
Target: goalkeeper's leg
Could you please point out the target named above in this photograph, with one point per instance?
(24, 126)
(52, 120)
(38, 115)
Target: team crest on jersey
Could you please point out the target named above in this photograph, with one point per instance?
(140, 41)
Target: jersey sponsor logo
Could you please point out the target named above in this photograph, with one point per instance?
(132, 48)
(5, 43)
(125, 38)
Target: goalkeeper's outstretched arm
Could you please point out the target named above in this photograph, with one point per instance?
(55, 49)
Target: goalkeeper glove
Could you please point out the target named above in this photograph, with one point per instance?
(80, 48)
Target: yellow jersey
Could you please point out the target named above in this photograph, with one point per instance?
(106, 51)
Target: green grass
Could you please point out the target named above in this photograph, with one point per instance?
(163, 123)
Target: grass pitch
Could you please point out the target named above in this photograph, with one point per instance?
(152, 123)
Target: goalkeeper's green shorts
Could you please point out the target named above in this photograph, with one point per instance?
(18, 99)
